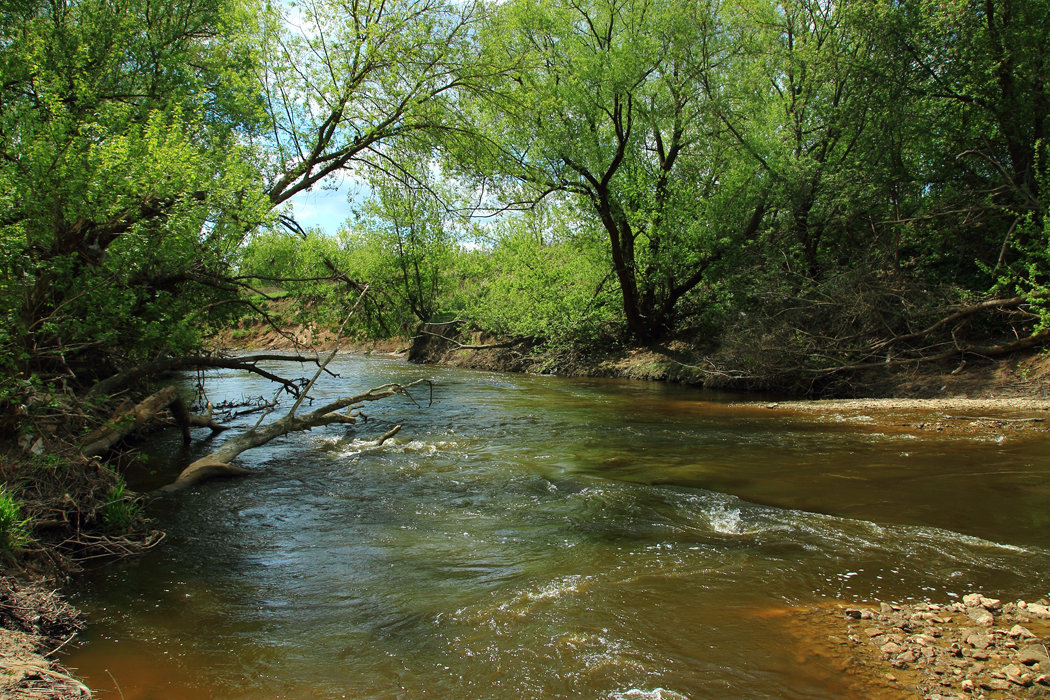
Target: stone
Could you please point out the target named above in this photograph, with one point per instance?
(854, 613)
(885, 608)
(979, 641)
(991, 603)
(1016, 676)
(907, 657)
(890, 648)
(1033, 654)
(1017, 631)
(967, 685)
(980, 655)
(873, 632)
(1037, 610)
(981, 616)
(922, 640)
(972, 600)
(996, 684)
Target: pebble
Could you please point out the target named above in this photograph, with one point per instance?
(989, 651)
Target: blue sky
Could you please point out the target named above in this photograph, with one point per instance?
(327, 209)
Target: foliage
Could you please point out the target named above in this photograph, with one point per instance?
(654, 168)
(126, 185)
(613, 103)
(535, 277)
(14, 531)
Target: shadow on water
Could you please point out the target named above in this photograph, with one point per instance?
(540, 537)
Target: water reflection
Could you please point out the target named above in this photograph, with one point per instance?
(542, 537)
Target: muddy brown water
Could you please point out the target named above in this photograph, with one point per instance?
(539, 537)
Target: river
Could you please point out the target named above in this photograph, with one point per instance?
(542, 537)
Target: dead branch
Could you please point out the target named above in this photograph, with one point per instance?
(952, 318)
(387, 435)
(248, 363)
(117, 428)
(217, 463)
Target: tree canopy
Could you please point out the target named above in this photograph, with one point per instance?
(783, 169)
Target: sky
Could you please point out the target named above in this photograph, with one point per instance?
(327, 209)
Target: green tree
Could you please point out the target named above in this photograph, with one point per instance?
(414, 232)
(126, 185)
(616, 102)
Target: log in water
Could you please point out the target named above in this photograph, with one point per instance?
(536, 537)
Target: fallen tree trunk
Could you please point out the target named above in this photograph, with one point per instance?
(120, 426)
(127, 422)
(217, 463)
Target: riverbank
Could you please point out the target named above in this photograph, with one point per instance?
(35, 624)
(1019, 377)
(976, 647)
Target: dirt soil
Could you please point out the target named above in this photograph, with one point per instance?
(36, 623)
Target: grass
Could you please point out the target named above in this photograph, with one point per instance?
(14, 530)
(121, 512)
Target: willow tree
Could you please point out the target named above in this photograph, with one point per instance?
(357, 86)
(616, 103)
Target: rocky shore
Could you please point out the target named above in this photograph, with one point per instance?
(979, 647)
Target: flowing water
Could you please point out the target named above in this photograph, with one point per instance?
(539, 537)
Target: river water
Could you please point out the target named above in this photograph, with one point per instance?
(541, 537)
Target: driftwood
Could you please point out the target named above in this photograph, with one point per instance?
(123, 424)
(217, 463)
(460, 346)
(341, 411)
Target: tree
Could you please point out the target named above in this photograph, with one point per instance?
(140, 144)
(615, 102)
(975, 73)
(412, 230)
(352, 82)
(126, 183)
(823, 126)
